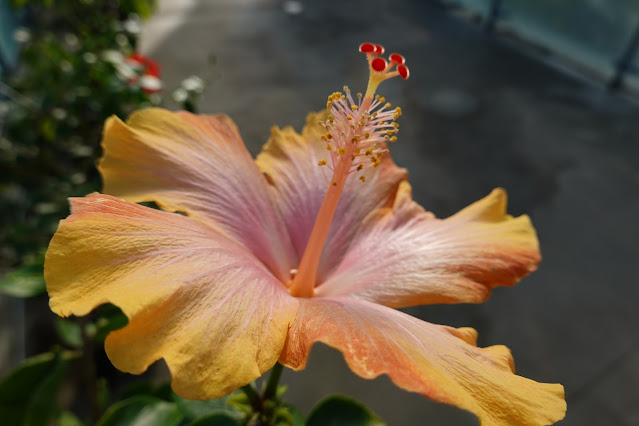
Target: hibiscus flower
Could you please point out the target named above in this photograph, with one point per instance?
(317, 240)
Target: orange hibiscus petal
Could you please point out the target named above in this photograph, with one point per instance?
(215, 313)
(196, 164)
(439, 362)
(290, 161)
(403, 256)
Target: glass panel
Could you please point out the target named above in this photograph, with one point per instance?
(593, 32)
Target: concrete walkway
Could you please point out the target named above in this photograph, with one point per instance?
(477, 114)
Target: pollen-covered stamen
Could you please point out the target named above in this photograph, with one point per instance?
(357, 133)
(357, 136)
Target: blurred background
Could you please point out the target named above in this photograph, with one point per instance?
(537, 96)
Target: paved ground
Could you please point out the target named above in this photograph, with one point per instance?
(477, 114)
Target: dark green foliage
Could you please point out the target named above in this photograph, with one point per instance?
(142, 411)
(52, 115)
(27, 394)
(339, 410)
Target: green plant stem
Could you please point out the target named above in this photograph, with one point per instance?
(258, 402)
(89, 373)
(270, 391)
(254, 398)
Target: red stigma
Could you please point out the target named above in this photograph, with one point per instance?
(397, 58)
(379, 64)
(379, 49)
(367, 47)
(403, 71)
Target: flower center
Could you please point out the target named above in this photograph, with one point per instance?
(357, 132)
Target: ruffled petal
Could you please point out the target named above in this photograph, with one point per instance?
(199, 165)
(441, 363)
(403, 256)
(290, 161)
(215, 313)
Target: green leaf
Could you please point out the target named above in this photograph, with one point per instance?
(67, 418)
(198, 409)
(103, 393)
(69, 331)
(297, 416)
(48, 128)
(339, 410)
(138, 388)
(217, 419)
(28, 393)
(17, 4)
(24, 281)
(111, 318)
(142, 411)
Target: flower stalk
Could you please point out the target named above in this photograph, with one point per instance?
(262, 405)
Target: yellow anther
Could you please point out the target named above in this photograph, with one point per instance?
(389, 132)
(357, 151)
(393, 139)
(377, 97)
(360, 167)
(368, 152)
(329, 135)
(323, 138)
(382, 100)
(355, 139)
(321, 163)
(386, 138)
(398, 110)
(354, 107)
(367, 135)
(395, 124)
(362, 124)
(349, 118)
(341, 151)
(387, 105)
(359, 95)
(329, 148)
(362, 178)
(346, 89)
(375, 114)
